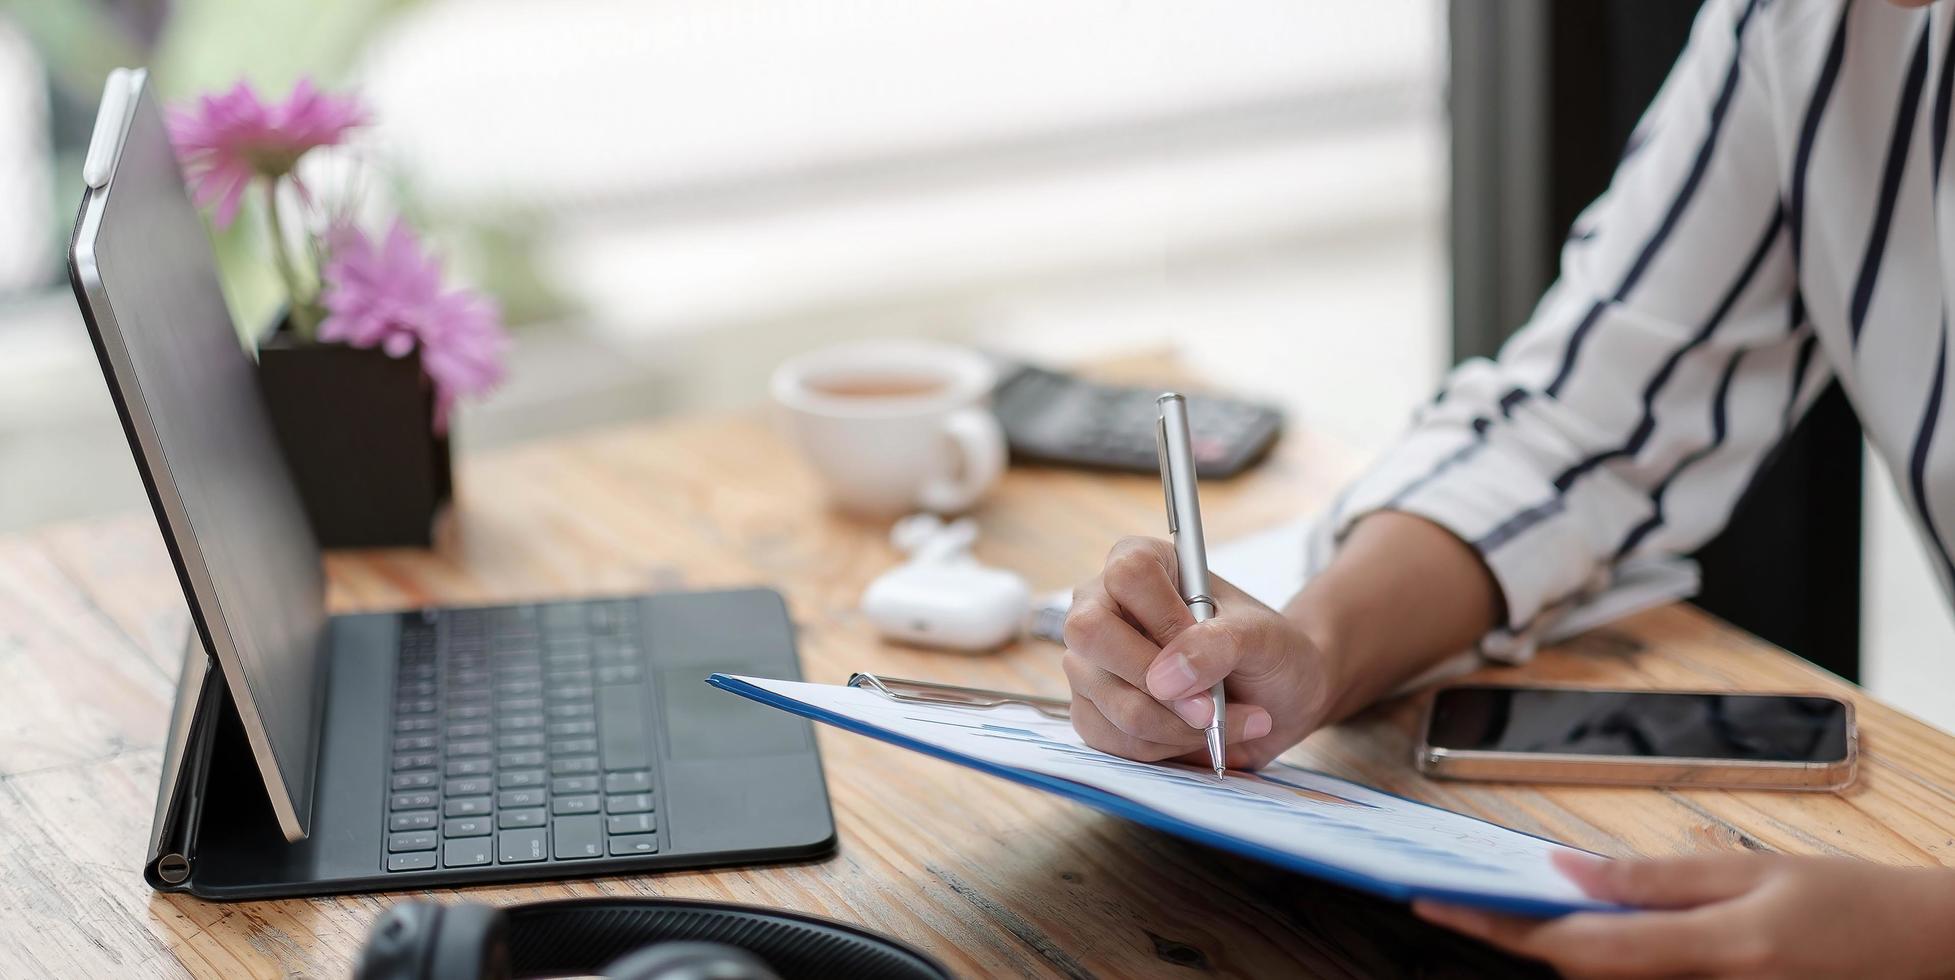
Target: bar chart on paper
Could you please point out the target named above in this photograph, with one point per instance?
(1292, 817)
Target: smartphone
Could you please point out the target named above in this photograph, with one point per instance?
(1640, 738)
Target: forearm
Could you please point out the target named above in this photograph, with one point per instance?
(1401, 595)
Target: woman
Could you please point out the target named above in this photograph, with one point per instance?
(1777, 222)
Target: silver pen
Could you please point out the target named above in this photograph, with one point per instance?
(1177, 458)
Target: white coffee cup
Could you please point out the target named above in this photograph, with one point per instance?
(894, 426)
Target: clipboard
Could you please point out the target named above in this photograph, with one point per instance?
(1354, 835)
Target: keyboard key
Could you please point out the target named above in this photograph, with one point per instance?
(635, 844)
(628, 803)
(618, 674)
(414, 743)
(414, 706)
(562, 616)
(574, 746)
(416, 820)
(468, 712)
(529, 759)
(465, 827)
(522, 846)
(520, 797)
(519, 740)
(628, 782)
(468, 746)
(568, 785)
(630, 823)
(414, 760)
(415, 689)
(509, 819)
(468, 729)
(568, 676)
(577, 837)
(519, 723)
(520, 704)
(465, 852)
(414, 780)
(621, 728)
(414, 725)
(566, 729)
(571, 692)
(519, 689)
(568, 712)
(563, 805)
(411, 861)
(468, 767)
(519, 778)
(415, 840)
(422, 800)
(467, 806)
(471, 786)
(576, 766)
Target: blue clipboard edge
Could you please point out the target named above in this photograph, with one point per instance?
(1126, 809)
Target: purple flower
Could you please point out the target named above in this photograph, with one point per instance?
(226, 140)
(389, 295)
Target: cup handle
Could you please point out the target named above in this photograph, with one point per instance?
(981, 443)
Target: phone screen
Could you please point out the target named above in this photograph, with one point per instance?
(1649, 724)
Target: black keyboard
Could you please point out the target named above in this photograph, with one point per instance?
(1050, 417)
(521, 735)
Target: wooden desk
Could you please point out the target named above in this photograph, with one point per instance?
(992, 878)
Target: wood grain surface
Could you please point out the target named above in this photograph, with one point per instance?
(991, 878)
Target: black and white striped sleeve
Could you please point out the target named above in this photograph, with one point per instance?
(1630, 413)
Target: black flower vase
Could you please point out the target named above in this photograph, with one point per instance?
(357, 430)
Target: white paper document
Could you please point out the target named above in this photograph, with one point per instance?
(1287, 815)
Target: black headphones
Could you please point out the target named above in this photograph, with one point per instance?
(628, 939)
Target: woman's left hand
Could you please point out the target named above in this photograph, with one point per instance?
(1736, 915)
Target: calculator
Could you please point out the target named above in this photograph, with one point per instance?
(1056, 418)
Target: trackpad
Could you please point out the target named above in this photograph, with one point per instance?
(704, 722)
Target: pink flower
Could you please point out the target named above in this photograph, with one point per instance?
(388, 295)
(226, 140)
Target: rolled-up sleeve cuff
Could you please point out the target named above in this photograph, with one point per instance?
(1531, 539)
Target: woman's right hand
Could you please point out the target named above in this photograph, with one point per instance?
(1141, 667)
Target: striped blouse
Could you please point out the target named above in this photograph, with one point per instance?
(1775, 223)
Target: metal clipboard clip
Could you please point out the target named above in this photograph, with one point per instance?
(929, 692)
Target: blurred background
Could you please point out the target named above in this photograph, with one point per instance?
(1318, 204)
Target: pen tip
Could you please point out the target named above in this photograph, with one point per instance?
(1220, 771)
